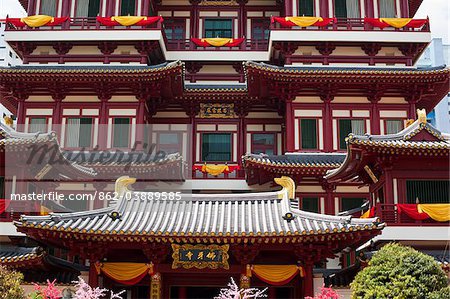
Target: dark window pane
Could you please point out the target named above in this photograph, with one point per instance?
(260, 29)
(263, 143)
(348, 203)
(121, 132)
(94, 8)
(174, 29)
(218, 28)
(216, 147)
(345, 128)
(128, 8)
(310, 204)
(427, 191)
(169, 143)
(48, 7)
(308, 133)
(85, 132)
(340, 8)
(394, 126)
(306, 8)
(38, 124)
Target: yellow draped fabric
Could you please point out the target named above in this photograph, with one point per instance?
(37, 20)
(396, 22)
(276, 274)
(127, 20)
(304, 21)
(438, 212)
(124, 271)
(215, 169)
(366, 214)
(217, 41)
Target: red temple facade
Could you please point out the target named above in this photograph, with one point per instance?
(237, 94)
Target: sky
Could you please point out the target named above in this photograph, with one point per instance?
(437, 10)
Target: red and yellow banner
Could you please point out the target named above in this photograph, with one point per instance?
(216, 170)
(275, 274)
(302, 21)
(36, 21)
(370, 213)
(128, 20)
(125, 273)
(217, 42)
(437, 212)
(396, 22)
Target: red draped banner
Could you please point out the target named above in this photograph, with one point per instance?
(397, 23)
(297, 21)
(217, 42)
(411, 211)
(22, 22)
(128, 21)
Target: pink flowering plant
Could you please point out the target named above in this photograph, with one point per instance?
(234, 292)
(325, 293)
(48, 292)
(83, 291)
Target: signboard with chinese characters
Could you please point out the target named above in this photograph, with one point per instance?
(200, 256)
(208, 110)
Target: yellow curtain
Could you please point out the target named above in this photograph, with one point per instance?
(303, 21)
(215, 169)
(276, 274)
(124, 271)
(396, 22)
(127, 20)
(218, 41)
(37, 20)
(438, 212)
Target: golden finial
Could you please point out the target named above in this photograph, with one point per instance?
(121, 185)
(409, 122)
(287, 183)
(8, 120)
(422, 116)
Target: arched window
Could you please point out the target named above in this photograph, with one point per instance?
(128, 8)
(306, 8)
(346, 9)
(87, 8)
(387, 8)
(48, 7)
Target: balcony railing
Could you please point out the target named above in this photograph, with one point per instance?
(389, 213)
(188, 45)
(84, 23)
(351, 24)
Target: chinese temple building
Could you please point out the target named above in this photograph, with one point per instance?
(211, 103)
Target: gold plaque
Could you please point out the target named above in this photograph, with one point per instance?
(217, 110)
(200, 256)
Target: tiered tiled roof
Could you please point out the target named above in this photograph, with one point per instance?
(250, 215)
(13, 141)
(419, 138)
(13, 256)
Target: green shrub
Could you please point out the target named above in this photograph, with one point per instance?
(10, 284)
(397, 271)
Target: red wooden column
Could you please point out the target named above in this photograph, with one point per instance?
(140, 122)
(328, 122)
(103, 121)
(288, 8)
(93, 275)
(389, 187)
(20, 114)
(290, 130)
(57, 114)
(374, 116)
(308, 279)
(329, 198)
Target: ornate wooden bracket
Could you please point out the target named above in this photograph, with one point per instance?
(155, 253)
(107, 48)
(371, 49)
(62, 48)
(327, 93)
(246, 253)
(326, 48)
